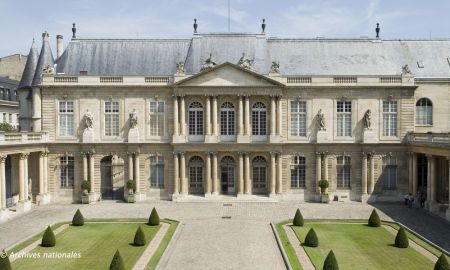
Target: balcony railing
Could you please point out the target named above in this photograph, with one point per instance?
(22, 137)
(428, 138)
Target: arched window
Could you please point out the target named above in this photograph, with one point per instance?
(343, 169)
(259, 172)
(389, 174)
(424, 112)
(259, 116)
(196, 175)
(195, 118)
(298, 172)
(227, 169)
(227, 119)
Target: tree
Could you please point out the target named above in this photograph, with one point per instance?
(117, 262)
(298, 218)
(48, 239)
(5, 264)
(374, 219)
(153, 220)
(330, 262)
(78, 219)
(139, 237)
(401, 240)
(442, 263)
(311, 239)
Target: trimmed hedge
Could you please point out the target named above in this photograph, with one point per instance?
(374, 219)
(117, 262)
(48, 239)
(153, 220)
(298, 218)
(401, 240)
(330, 262)
(311, 239)
(78, 219)
(442, 263)
(139, 237)
(5, 264)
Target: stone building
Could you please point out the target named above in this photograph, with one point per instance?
(233, 115)
(9, 105)
(12, 66)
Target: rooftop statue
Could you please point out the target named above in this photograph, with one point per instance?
(180, 68)
(406, 70)
(245, 62)
(88, 120)
(209, 63)
(321, 120)
(49, 69)
(275, 68)
(133, 119)
(367, 119)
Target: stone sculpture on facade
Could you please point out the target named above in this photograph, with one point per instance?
(88, 120)
(275, 67)
(180, 68)
(88, 133)
(321, 120)
(406, 70)
(49, 69)
(245, 62)
(209, 63)
(133, 119)
(133, 133)
(367, 120)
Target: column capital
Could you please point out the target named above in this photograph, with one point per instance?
(429, 155)
(24, 155)
(448, 159)
(3, 158)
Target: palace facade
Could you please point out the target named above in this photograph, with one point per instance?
(232, 114)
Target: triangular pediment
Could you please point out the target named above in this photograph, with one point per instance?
(228, 75)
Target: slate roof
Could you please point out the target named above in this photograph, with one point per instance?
(30, 67)
(45, 58)
(296, 56)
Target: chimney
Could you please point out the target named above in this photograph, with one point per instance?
(59, 45)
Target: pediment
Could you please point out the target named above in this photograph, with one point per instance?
(228, 74)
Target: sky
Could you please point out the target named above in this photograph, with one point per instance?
(21, 20)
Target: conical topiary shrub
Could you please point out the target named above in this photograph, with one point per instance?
(78, 219)
(153, 220)
(374, 219)
(311, 239)
(117, 262)
(442, 263)
(139, 237)
(298, 219)
(48, 239)
(5, 264)
(330, 262)
(401, 240)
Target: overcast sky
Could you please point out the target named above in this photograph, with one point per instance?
(20, 20)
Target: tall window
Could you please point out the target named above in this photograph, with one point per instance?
(227, 118)
(344, 118)
(111, 118)
(66, 168)
(157, 171)
(195, 174)
(343, 171)
(259, 172)
(424, 112)
(298, 118)
(298, 172)
(195, 118)
(259, 124)
(389, 118)
(66, 118)
(389, 174)
(157, 110)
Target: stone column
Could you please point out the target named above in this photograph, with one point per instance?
(247, 116)
(364, 174)
(318, 170)
(279, 174)
(410, 172)
(182, 116)
(208, 115)
(325, 167)
(175, 117)
(241, 116)
(176, 175)
(215, 178)
(279, 116)
(248, 187)
(214, 116)
(241, 174)
(92, 172)
(85, 167)
(46, 172)
(130, 167)
(137, 178)
(2, 182)
(272, 173)
(272, 116)
(433, 180)
(25, 175)
(371, 174)
(184, 187)
(415, 179)
(208, 175)
(21, 178)
(41, 173)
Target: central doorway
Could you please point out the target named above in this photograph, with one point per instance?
(227, 177)
(112, 182)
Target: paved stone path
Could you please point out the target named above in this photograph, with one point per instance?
(151, 248)
(299, 250)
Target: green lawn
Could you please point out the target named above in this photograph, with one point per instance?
(358, 246)
(95, 242)
(290, 252)
(164, 243)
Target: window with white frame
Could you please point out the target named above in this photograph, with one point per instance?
(157, 171)
(298, 118)
(389, 174)
(195, 116)
(344, 118)
(259, 119)
(157, 118)
(343, 171)
(227, 119)
(111, 118)
(298, 172)
(389, 118)
(66, 118)
(66, 171)
(424, 112)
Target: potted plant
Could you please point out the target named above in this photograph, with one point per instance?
(131, 185)
(323, 184)
(86, 188)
